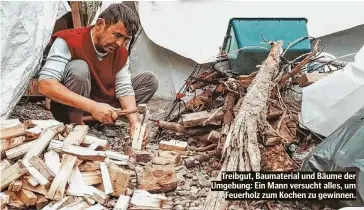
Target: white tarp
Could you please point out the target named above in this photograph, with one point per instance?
(196, 29)
(26, 28)
(329, 102)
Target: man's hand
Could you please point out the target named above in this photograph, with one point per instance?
(146, 134)
(104, 113)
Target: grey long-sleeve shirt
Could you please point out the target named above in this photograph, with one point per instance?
(58, 57)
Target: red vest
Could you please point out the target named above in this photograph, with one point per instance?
(103, 73)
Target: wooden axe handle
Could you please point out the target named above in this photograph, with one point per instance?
(118, 112)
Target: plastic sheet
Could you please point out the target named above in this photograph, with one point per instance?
(343, 150)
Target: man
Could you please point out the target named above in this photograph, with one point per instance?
(86, 71)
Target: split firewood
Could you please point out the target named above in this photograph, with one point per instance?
(116, 156)
(246, 80)
(77, 135)
(27, 197)
(42, 201)
(207, 78)
(241, 152)
(144, 200)
(98, 195)
(122, 203)
(4, 200)
(14, 201)
(167, 157)
(4, 164)
(80, 204)
(56, 146)
(60, 204)
(14, 131)
(11, 173)
(92, 177)
(90, 201)
(120, 179)
(173, 145)
(195, 131)
(90, 166)
(198, 103)
(37, 189)
(140, 128)
(40, 165)
(89, 140)
(52, 160)
(84, 153)
(56, 191)
(15, 185)
(157, 179)
(106, 180)
(19, 151)
(273, 112)
(96, 207)
(10, 143)
(200, 158)
(200, 118)
(30, 180)
(139, 156)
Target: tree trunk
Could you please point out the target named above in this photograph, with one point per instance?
(241, 152)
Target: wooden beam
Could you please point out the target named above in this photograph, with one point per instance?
(106, 181)
(76, 136)
(15, 185)
(40, 165)
(42, 142)
(4, 164)
(173, 145)
(27, 197)
(84, 153)
(11, 132)
(122, 203)
(57, 188)
(19, 150)
(11, 174)
(51, 159)
(120, 179)
(92, 177)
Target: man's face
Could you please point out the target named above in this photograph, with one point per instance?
(111, 38)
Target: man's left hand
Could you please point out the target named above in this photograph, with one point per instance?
(146, 134)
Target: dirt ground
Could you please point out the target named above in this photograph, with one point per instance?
(193, 184)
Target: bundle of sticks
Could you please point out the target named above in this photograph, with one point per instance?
(246, 121)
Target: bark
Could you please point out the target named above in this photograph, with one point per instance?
(241, 152)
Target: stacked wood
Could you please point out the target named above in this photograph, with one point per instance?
(60, 167)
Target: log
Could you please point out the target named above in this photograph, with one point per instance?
(11, 173)
(106, 180)
(173, 145)
(240, 151)
(120, 179)
(198, 118)
(139, 156)
(27, 197)
(84, 153)
(158, 179)
(92, 139)
(122, 203)
(51, 159)
(77, 135)
(11, 132)
(56, 191)
(14, 201)
(40, 165)
(15, 186)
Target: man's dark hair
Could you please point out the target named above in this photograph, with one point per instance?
(117, 12)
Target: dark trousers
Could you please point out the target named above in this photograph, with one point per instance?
(78, 80)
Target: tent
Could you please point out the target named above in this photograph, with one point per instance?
(176, 35)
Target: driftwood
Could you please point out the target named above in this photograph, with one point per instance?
(241, 152)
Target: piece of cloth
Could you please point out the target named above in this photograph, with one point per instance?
(78, 80)
(103, 73)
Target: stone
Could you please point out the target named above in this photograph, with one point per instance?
(202, 193)
(170, 194)
(181, 170)
(194, 190)
(194, 178)
(179, 207)
(110, 133)
(182, 193)
(189, 175)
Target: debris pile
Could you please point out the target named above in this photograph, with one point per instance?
(48, 165)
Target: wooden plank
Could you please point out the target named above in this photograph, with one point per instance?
(38, 176)
(57, 188)
(14, 202)
(11, 174)
(77, 135)
(42, 201)
(40, 165)
(84, 153)
(197, 118)
(106, 181)
(92, 139)
(122, 203)
(27, 197)
(10, 143)
(37, 189)
(11, 132)
(51, 159)
(4, 164)
(20, 150)
(120, 179)
(173, 145)
(90, 166)
(56, 146)
(310, 78)
(15, 185)
(96, 207)
(92, 177)
(42, 142)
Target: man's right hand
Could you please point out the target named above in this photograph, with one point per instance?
(104, 113)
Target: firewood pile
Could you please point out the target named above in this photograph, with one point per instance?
(48, 165)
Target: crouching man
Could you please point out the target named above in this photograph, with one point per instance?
(86, 71)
